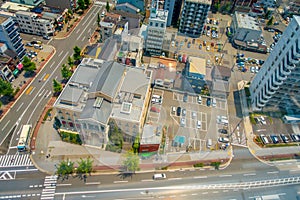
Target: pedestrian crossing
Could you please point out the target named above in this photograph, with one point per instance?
(239, 139)
(7, 175)
(50, 186)
(15, 160)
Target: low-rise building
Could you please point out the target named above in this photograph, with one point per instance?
(195, 72)
(133, 20)
(140, 4)
(100, 92)
(126, 7)
(33, 23)
(106, 30)
(28, 2)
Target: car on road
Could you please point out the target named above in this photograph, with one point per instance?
(159, 176)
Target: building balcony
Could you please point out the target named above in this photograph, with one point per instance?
(263, 100)
(270, 92)
(274, 87)
(294, 60)
(291, 66)
(286, 72)
(297, 53)
(281, 76)
(278, 82)
(260, 105)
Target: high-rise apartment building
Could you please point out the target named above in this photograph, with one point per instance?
(156, 30)
(193, 16)
(9, 34)
(173, 7)
(277, 85)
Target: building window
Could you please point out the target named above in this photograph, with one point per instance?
(156, 24)
(293, 33)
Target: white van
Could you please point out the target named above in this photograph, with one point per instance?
(214, 102)
(156, 96)
(209, 143)
(159, 176)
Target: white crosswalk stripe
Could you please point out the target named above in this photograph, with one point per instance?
(15, 160)
(7, 175)
(50, 186)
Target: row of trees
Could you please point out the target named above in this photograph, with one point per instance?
(67, 69)
(66, 168)
(83, 4)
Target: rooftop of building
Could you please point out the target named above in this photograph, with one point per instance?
(107, 24)
(297, 18)
(26, 13)
(127, 14)
(151, 134)
(160, 15)
(108, 50)
(108, 81)
(129, 6)
(197, 65)
(3, 19)
(246, 21)
(15, 6)
(221, 71)
(200, 1)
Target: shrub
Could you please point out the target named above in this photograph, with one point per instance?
(198, 165)
(70, 137)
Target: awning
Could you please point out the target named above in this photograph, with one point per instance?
(15, 72)
(20, 66)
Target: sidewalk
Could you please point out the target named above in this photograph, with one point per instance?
(48, 150)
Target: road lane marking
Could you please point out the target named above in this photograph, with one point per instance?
(171, 179)
(195, 177)
(47, 76)
(20, 106)
(52, 65)
(29, 90)
(60, 53)
(83, 39)
(5, 125)
(251, 174)
(120, 181)
(274, 172)
(147, 180)
(93, 183)
(194, 194)
(204, 192)
(64, 184)
(225, 175)
(78, 31)
(41, 93)
(43, 86)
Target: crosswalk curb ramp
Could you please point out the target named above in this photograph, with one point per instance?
(50, 187)
(15, 160)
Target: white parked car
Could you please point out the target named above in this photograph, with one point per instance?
(252, 69)
(159, 176)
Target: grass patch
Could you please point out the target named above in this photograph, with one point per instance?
(70, 137)
(198, 165)
(47, 114)
(164, 168)
(215, 164)
(277, 159)
(281, 145)
(252, 120)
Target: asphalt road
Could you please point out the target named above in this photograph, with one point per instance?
(29, 106)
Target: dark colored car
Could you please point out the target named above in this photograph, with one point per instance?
(178, 111)
(208, 102)
(223, 131)
(274, 139)
(284, 138)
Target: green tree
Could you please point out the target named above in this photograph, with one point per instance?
(70, 61)
(136, 144)
(64, 169)
(217, 7)
(84, 166)
(81, 4)
(107, 6)
(0, 104)
(131, 162)
(76, 54)
(6, 88)
(28, 66)
(66, 72)
(87, 3)
(270, 22)
(57, 87)
(98, 19)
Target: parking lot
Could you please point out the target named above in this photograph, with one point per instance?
(187, 118)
